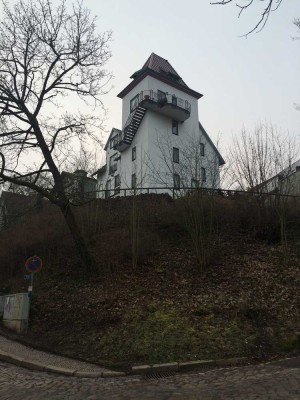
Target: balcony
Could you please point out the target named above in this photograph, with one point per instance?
(167, 104)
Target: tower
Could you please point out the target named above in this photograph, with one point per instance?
(162, 143)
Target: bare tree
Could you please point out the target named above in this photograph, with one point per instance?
(197, 164)
(262, 162)
(268, 7)
(46, 54)
(196, 167)
(85, 159)
(257, 156)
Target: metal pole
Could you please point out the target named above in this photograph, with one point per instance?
(31, 285)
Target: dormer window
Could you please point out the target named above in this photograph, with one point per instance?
(173, 77)
(134, 103)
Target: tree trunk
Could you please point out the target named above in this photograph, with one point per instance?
(87, 260)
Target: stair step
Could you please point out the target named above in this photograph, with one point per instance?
(131, 129)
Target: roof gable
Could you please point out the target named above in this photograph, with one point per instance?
(221, 159)
(113, 131)
(160, 69)
(163, 67)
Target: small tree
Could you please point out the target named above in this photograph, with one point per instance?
(257, 156)
(192, 159)
(46, 54)
(196, 207)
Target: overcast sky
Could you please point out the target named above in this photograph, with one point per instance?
(242, 80)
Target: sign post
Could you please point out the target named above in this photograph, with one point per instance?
(32, 265)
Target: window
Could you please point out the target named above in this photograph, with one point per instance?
(113, 141)
(117, 184)
(175, 155)
(202, 150)
(113, 165)
(134, 103)
(117, 181)
(133, 181)
(107, 189)
(195, 183)
(175, 127)
(203, 174)
(176, 181)
(133, 153)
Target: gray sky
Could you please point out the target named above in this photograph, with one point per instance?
(243, 80)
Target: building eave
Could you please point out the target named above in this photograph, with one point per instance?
(149, 72)
(100, 171)
(221, 159)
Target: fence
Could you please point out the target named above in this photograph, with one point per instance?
(137, 221)
(173, 192)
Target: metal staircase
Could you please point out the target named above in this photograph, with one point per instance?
(132, 124)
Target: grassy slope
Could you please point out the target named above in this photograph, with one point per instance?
(245, 303)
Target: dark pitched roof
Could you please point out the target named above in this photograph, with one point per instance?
(161, 66)
(161, 69)
(221, 159)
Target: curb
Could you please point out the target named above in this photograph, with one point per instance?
(34, 365)
(188, 366)
(135, 370)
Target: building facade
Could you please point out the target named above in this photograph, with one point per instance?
(286, 182)
(78, 186)
(162, 144)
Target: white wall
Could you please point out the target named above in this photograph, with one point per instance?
(154, 134)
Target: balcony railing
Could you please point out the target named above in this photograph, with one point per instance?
(168, 104)
(162, 99)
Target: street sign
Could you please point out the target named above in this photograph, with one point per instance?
(27, 277)
(33, 264)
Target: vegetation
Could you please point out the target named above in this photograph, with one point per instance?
(46, 54)
(267, 7)
(242, 302)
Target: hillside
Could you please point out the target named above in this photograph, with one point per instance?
(244, 301)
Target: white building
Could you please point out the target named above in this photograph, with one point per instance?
(162, 143)
(285, 182)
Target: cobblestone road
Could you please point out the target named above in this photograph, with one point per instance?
(266, 382)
